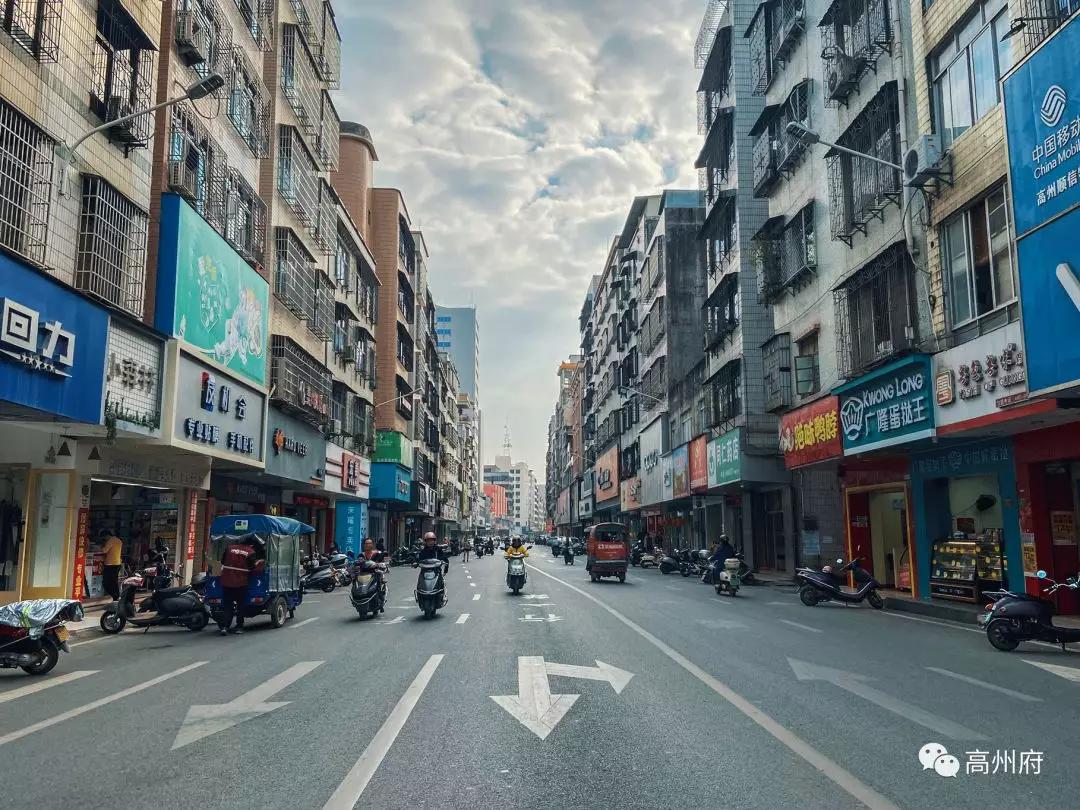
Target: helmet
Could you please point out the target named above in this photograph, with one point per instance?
(198, 582)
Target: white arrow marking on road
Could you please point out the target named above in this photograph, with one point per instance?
(22, 691)
(805, 627)
(1068, 280)
(536, 596)
(1068, 673)
(472, 584)
(532, 605)
(551, 617)
(857, 685)
(991, 686)
(476, 597)
(394, 620)
(305, 621)
(464, 617)
(534, 706)
(618, 678)
(202, 721)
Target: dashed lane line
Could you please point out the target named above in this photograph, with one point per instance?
(805, 627)
(464, 617)
(59, 680)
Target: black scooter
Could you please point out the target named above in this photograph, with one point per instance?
(826, 585)
(367, 593)
(568, 554)
(430, 593)
(182, 607)
(319, 575)
(1016, 617)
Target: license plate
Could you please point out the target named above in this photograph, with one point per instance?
(62, 633)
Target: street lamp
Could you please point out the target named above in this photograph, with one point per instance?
(625, 389)
(200, 89)
(395, 399)
(808, 136)
(1020, 23)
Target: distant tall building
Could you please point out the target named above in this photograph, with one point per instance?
(458, 334)
(524, 499)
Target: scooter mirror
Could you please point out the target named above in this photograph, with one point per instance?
(1040, 574)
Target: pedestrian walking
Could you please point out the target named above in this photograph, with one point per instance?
(466, 547)
(237, 563)
(113, 547)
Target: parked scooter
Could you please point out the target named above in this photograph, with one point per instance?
(182, 606)
(826, 585)
(729, 579)
(515, 572)
(430, 593)
(367, 593)
(1016, 617)
(32, 633)
(670, 563)
(319, 575)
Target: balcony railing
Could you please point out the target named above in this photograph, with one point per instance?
(299, 380)
(330, 54)
(111, 260)
(776, 377)
(294, 273)
(329, 134)
(760, 58)
(299, 82)
(788, 25)
(854, 35)
(653, 328)
(654, 384)
(787, 256)
(298, 179)
(764, 162)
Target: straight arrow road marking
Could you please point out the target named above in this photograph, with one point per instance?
(476, 597)
(305, 621)
(534, 706)
(991, 686)
(59, 680)
(1068, 673)
(96, 704)
(464, 617)
(395, 620)
(350, 790)
(532, 605)
(805, 627)
(204, 720)
(857, 685)
(535, 596)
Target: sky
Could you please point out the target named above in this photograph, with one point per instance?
(519, 132)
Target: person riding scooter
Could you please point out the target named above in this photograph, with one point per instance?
(723, 551)
(568, 552)
(516, 546)
(432, 551)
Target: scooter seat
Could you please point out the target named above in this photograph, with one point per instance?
(168, 593)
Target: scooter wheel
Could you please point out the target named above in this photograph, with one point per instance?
(875, 600)
(999, 635)
(45, 665)
(808, 595)
(685, 572)
(429, 613)
(197, 622)
(622, 577)
(112, 623)
(328, 586)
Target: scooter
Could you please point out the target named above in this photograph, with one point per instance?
(430, 593)
(669, 564)
(320, 576)
(367, 593)
(568, 554)
(825, 585)
(515, 572)
(32, 633)
(728, 579)
(182, 606)
(647, 559)
(1016, 617)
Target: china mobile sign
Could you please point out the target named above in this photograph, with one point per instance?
(890, 406)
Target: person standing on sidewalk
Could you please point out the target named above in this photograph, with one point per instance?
(466, 547)
(237, 563)
(113, 547)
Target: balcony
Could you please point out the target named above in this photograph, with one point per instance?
(722, 312)
(330, 53)
(875, 312)
(309, 16)
(787, 256)
(788, 27)
(776, 377)
(654, 384)
(721, 232)
(299, 381)
(763, 158)
(298, 177)
(723, 395)
(854, 35)
(761, 66)
(294, 274)
(653, 328)
(298, 80)
(329, 134)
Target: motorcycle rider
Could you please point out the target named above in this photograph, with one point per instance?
(515, 545)
(568, 550)
(722, 551)
(432, 551)
(370, 552)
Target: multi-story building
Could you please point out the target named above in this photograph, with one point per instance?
(450, 484)
(524, 498)
(497, 510)
(458, 333)
(431, 387)
(469, 431)
(558, 495)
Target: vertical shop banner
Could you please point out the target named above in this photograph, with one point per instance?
(606, 484)
(890, 406)
(680, 472)
(699, 464)
(82, 542)
(811, 433)
(193, 516)
(667, 474)
(350, 526)
(725, 458)
(630, 494)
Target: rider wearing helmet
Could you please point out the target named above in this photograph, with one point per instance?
(432, 551)
(516, 546)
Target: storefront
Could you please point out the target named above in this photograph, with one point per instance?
(630, 505)
(583, 505)
(391, 488)
(606, 486)
(52, 363)
(652, 441)
(346, 488)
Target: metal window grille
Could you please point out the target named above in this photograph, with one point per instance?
(345, 261)
(788, 25)
(330, 54)
(654, 383)
(875, 312)
(796, 109)
(245, 218)
(776, 376)
(122, 74)
(329, 134)
(321, 323)
(204, 39)
(34, 25)
(653, 328)
(189, 157)
(725, 395)
(708, 31)
(324, 229)
(339, 404)
(299, 380)
(298, 80)
(1053, 13)
(860, 190)
(26, 171)
(309, 17)
(111, 262)
(722, 312)
(760, 61)
(248, 106)
(258, 16)
(294, 273)
(298, 180)
(854, 34)
(764, 162)
(721, 232)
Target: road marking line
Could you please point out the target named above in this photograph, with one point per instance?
(472, 584)
(991, 686)
(97, 704)
(476, 597)
(348, 793)
(464, 617)
(305, 621)
(1068, 673)
(841, 777)
(467, 576)
(101, 637)
(22, 691)
(931, 621)
(806, 627)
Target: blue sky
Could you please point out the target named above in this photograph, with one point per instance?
(519, 132)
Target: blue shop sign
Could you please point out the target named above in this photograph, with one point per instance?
(350, 526)
(892, 405)
(390, 482)
(1042, 123)
(52, 345)
(970, 458)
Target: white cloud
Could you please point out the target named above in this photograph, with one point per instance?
(520, 133)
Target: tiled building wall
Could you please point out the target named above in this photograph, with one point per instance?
(385, 208)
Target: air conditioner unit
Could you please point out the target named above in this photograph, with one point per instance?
(183, 179)
(124, 132)
(922, 162)
(842, 76)
(192, 38)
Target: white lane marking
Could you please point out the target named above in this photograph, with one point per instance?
(551, 617)
(531, 605)
(23, 691)
(203, 721)
(395, 620)
(101, 637)
(805, 627)
(313, 601)
(305, 621)
(841, 777)
(352, 787)
(476, 597)
(993, 687)
(1068, 673)
(930, 621)
(618, 678)
(472, 584)
(97, 704)
(464, 617)
(467, 576)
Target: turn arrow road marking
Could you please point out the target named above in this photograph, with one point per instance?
(203, 721)
(1068, 673)
(551, 617)
(618, 678)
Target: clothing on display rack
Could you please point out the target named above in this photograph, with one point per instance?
(11, 526)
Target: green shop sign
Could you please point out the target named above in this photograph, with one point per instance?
(209, 297)
(890, 406)
(725, 458)
(393, 447)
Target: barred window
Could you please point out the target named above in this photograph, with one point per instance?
(203, 37)
(330, 56)
(298, 79)
(34, 25)
(309, 15)
(298, 180)
(329, 134)
(258, 19)
(122, 60)
(111, 261)
(197, 168)
(294, 273)
(248, 103)
(776, 361)
(26, 171)
(722, 312)
(807, 365)
(299, 380)
(854, 34)
(725, 395)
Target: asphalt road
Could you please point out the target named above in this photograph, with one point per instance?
(652, 693)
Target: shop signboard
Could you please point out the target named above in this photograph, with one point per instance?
(562, 508)
(82, 543)
(390, 482)
(52, 345)
(630, 494)
(699, 464)
(209, 297)
(680, 472)
(350, 526)
(133, 379)
(217, 414)
(118, 466)
(651, 442)
(980, 377)
(346, 473)
(193, 515)
(585, 501)
(725, 458)
(606, 483)
(296, 450)
(667, 473)
(811, 433)
(394, 447)
(892, 405)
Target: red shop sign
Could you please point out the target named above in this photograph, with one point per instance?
(82, 540)
(812, 433)
(193, 515)
(310, 500)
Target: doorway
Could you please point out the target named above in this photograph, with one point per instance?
(13, 486)
(879, 534)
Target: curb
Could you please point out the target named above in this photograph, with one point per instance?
(938, 611)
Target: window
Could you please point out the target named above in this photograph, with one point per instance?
(247, 103)
(966, 69)
(122, 62)
(26, 170)
(776, 359)
(254, 14)
(298, 181)
(724, 396)
(977, 259)
(299, 380)
(34, 25)
(245, 221)
(807, 367)
(111, 262)
(854, 35)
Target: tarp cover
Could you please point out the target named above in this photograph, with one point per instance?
(34, 614)
(238, 525)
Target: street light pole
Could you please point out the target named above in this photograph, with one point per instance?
(808, 136)
(625, 389)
